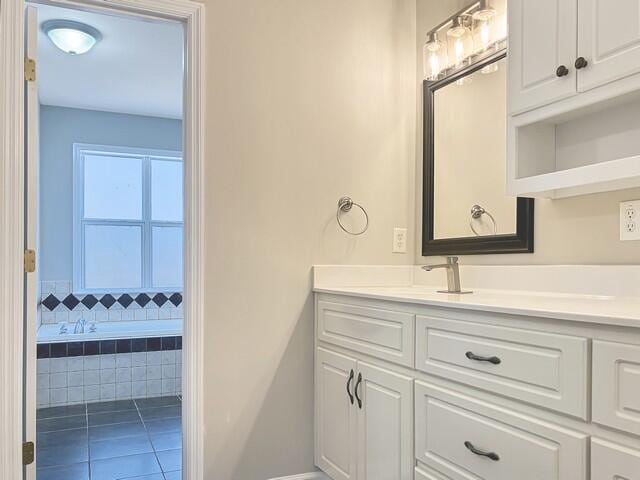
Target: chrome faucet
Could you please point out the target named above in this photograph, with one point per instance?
(79, 328)
(453, 275)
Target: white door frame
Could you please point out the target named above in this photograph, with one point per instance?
(12, 214)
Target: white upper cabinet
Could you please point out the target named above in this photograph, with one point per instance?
(609, 41)
(573, 96)
(542, 51)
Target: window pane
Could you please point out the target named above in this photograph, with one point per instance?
(113, 256)
(166, 191)
(112, 187)
(167, 257)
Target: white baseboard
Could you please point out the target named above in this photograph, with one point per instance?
(304, 476)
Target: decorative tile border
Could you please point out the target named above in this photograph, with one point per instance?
(104, 347)
(72, 302)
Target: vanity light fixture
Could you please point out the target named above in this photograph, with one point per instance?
(459, 39)
(434, 56)
(71, 37)
(483, 25)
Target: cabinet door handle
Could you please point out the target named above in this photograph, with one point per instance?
(356, 390)
(561, 71)
(492, 455)
(479, 358)
(581, 62)
(348, 385)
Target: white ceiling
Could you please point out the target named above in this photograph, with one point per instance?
(136, 68)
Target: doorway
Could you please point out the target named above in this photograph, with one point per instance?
(191, 15)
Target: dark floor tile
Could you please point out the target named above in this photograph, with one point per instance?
(160, 412)
(120, 447)
(170, 460)
(112, 406)
(64, 411)
(79, 471)
(62, 454)
(124, 467)
(109, 418)
(177, 475)
(61, 423)
(77, 438)
(118, 430)
(167, 441)
(157, 402)
(173, 475)
(164, 425)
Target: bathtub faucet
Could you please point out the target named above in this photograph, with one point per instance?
(79, 328)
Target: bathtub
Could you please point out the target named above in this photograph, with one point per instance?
(111, 331)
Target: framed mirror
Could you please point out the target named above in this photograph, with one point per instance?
(466, 209)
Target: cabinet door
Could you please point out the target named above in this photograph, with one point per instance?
(385, 424)
(613, 462)
(542, 37)
(609, 39)
(336, 419)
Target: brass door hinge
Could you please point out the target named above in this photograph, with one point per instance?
(29, 70)
(29, 261)
(28, 453)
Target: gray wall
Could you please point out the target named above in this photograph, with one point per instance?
(60, 128)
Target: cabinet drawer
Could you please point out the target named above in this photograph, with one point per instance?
(616, 385)
(450, 427)
(613, 462)
(381, 333)
(545, 369)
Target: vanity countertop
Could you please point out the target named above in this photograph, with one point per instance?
(608, 310)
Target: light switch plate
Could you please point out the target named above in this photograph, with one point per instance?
(399, 240)
(630, 220)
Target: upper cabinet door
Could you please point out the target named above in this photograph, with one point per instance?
(609, 41)
(542, 52)
(385, 424)
(336, 419)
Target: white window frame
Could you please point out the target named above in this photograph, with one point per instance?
(146, 223)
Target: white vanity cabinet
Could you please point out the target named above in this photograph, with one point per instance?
(573, 96)
(363, 419)
(485, 395)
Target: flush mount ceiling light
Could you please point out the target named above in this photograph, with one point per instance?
(71, 37)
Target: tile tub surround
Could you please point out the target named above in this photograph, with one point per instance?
(71, 380)
(59, 304)
(123, 439)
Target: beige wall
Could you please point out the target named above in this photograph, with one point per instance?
(580, 230)
(308, 100)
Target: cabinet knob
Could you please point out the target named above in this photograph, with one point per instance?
(561, 71)
(581, 62)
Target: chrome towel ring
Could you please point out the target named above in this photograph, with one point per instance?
(476, 213)
(345, 204)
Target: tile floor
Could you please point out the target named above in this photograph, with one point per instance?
(117, 440)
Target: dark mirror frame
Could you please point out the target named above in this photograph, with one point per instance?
(519, 242)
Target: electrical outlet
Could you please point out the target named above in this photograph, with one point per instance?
(629, 220)
(399, 240)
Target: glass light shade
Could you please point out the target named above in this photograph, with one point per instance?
(71, 37)
(459, 41)
(483, 28)
(434, 57)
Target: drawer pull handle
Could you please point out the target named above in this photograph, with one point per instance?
(478, 358)
(348, 385)
(493, 456)
(356, 390)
